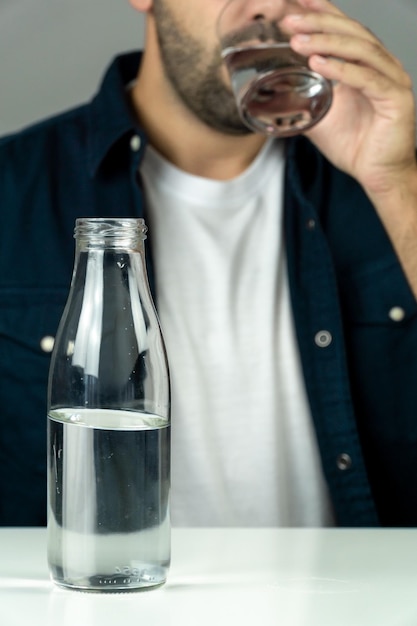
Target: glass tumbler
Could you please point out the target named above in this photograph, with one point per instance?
(276, 92)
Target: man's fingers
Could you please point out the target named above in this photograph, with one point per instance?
(365, 53)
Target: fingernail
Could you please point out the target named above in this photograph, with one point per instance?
(294, 17)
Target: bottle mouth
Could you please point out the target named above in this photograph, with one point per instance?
(110, 229)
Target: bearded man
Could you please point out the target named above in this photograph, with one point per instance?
(284, 273)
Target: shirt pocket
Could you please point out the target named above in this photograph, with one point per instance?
(380, 314)
(380, 319)
(28, 323)
(378, 296)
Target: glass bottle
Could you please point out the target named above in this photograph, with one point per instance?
(109, 420)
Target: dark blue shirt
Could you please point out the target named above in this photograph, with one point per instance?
(359, 359)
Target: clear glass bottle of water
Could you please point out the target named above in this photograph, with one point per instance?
(109, 420)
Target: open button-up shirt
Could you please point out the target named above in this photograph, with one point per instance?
(355, 316)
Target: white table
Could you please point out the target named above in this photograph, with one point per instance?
(238, 577)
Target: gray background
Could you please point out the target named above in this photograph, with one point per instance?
(53, 52)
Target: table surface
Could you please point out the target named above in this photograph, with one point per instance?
(238, 577)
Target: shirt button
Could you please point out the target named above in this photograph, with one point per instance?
(47, 344)
(344, 462)
(323, 339)
(135, 143)
(311, 224)
(396, 314)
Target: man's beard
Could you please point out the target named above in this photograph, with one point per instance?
(196, 78)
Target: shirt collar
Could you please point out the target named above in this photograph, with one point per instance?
(110, 115)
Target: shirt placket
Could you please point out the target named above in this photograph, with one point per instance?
(318, 321)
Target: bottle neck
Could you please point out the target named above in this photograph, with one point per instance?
(110, 233)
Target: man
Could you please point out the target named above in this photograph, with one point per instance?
(284, 274)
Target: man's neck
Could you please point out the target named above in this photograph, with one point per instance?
(182, 138)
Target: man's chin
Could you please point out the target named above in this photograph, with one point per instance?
(235, 127)
(243, 131)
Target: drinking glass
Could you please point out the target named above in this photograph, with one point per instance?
(276, 92)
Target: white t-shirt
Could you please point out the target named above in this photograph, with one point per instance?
(244, 451)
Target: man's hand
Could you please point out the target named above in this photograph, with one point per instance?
(369, 131)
